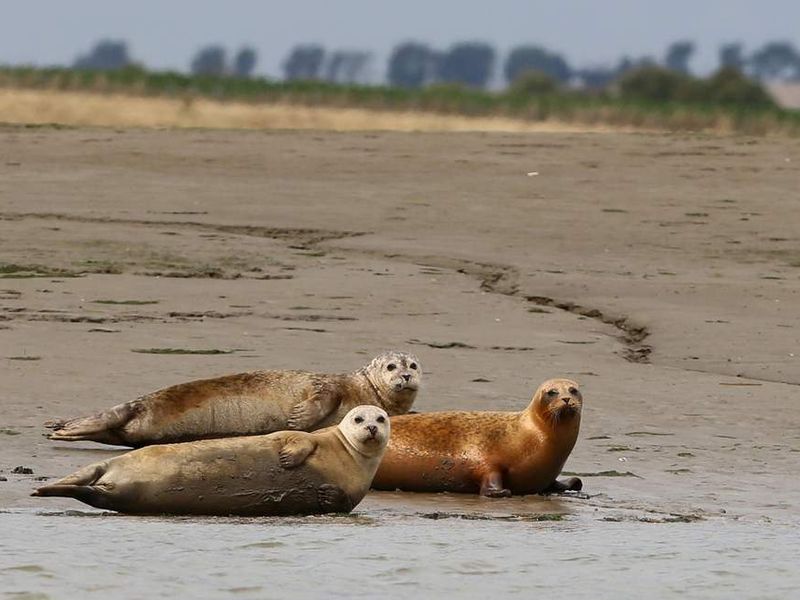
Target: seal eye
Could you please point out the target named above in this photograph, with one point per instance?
(381, 419)
(573, 391)
(359, 419)
(552, 393)
(391, 367)
(413, 366)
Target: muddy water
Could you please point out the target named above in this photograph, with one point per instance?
(396, 546)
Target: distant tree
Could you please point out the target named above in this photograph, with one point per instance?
(304, 62)
(533, 83)
(776, 60)
(730, 86)
(678, 56)
(655, 84)
(245, 62)
(731, 55)
(347, 66)
(105, 56)
(628, 63)
(596, 78)
(469, 63)
(536, 58)
(412, 65)
(210, 60)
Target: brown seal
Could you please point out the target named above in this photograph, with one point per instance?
(249, 403)
(283, 473)
(493, 453)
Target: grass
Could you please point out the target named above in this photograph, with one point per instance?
(564, 106)
(17, 271)
(180, 351)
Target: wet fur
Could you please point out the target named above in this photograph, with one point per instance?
(469, 452)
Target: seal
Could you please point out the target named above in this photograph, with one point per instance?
(492, 453)
(282, 473)
(251, 403)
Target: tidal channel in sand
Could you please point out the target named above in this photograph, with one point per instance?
(660, 271)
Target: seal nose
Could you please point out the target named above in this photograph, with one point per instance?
(406, 376)
(373, 429)
(566, 400)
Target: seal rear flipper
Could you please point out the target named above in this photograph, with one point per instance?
(332, 498)
(101, 427)
(572, 484)
(80, 485)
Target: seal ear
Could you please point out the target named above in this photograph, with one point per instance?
(295, 450)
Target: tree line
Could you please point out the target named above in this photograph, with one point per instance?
(472, 64)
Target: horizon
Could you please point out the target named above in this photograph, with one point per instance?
(570, 29)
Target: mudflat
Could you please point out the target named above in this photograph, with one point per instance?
(660, 271)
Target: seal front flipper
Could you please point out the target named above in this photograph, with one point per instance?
(100, 427)
(573, 484)
(332, 498)
(295, 450)
(309, 411)
(492, 486)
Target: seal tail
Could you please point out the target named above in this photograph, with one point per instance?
(100, 427)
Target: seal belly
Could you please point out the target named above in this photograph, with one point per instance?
(410, 470)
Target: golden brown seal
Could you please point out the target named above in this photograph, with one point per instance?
(493, 453)
(249, 403)
(283, 473)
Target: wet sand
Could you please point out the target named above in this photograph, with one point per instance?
(660, 271)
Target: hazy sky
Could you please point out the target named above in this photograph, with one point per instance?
(165, 34)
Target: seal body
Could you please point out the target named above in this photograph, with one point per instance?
(251, 403)
(491, 453)
(282, 473)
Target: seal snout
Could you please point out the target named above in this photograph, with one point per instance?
(373, 430)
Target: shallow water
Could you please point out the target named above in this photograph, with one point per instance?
(392, 547)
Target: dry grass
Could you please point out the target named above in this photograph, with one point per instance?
(97, 109)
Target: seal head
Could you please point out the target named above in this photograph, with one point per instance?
(366, 429)
(395, 377)
(556, 402)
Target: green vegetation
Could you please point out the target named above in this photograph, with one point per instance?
(528, 518)
(602, 474)
(649, 97)
(16, 271)
(180, 351)
(727, 87)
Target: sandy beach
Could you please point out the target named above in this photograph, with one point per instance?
(660, 271)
